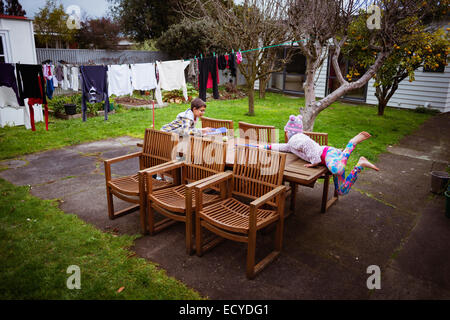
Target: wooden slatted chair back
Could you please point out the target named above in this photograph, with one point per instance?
(157, 148)
(205, 157)
(257, 133)
(257, 171)
(319, 137)
(218, 123)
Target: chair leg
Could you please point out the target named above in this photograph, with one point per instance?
(109, 198)
(198, 236)
(279, 235)
(189, 235)
(150, 218)
(251, 252)
(143, 215)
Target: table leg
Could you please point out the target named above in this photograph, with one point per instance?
(326, 184)
(294, 188)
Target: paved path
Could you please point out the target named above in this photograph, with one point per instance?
(390, 219)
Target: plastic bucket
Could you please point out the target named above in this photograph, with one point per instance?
(70, 109)
(439, 181)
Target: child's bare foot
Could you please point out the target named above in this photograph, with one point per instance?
(363, 162)
(360, 137)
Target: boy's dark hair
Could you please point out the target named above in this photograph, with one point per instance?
(197, 103)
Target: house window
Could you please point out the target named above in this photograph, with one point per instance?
(2, 50)
(345, 66)
(292, 77)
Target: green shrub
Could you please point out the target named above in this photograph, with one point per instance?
(426, 110)
(57, 104)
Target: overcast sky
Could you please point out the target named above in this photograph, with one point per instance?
(93, 8)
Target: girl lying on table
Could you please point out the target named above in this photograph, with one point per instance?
(334, 159)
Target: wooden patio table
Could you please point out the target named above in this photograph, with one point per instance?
(295, 173)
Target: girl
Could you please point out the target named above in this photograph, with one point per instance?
(334, 159)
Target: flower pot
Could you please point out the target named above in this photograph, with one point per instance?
(439, 181)
(70, 109)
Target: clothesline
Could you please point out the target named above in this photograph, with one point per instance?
(261, 48)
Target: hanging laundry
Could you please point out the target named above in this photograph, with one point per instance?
(47, 70)
(208, 66)
(66, 82)
(119, 80)
(74, 78)
(222, 62)
(232, 64)
(94, 87)
(143, 76)
(238, 57)
(55, 81)
(31, 84)
(59, 75)
(171, 77)
(193, 72)
(9, 94)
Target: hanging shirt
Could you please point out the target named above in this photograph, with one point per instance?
(9, 94)
(31, 83)
(74, 78)
(143, 76)
(94, 87)
(66, 83)
(171, 77)
(119, 80)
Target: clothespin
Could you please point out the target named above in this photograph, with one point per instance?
(201, 56)
(214, 54)
(232, 51)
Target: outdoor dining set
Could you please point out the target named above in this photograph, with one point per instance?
(224, 184)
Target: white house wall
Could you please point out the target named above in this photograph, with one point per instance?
(20, 40)
(428, 87)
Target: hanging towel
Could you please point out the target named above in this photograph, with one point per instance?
(66, 83)
(74, 78)
(94, 87)
(119, 80)
(31, 83)
(171, 77)
(143, 76)
(9, 94)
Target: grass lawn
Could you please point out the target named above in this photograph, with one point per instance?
(39, 241)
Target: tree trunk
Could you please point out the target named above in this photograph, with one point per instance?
(309, 112)
(262, 87)
(251, 100)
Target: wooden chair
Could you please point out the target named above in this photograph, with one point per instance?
(257, 133)
(157, 150)
(218, 123)
(178, 202)
(322, 139)
(234, 220)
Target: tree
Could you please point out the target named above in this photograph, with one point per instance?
(14, 8)
(145, 19)
(250, 25)
(101, 33)
(423, 46)
(323, 26)
(51, 25)
(189, 38)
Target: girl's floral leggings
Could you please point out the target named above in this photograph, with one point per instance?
(336, 161)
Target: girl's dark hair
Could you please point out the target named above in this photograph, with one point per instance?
(197, 103)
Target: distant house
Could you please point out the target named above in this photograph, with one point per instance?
(17, 46)
(430, 88)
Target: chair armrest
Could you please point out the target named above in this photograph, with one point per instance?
(268, 196)
(108, 162)
(205, 183)
(164, 167)
(121, 158)
(140, 144)
(208, 181)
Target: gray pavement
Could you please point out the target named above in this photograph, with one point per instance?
(389, 219)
